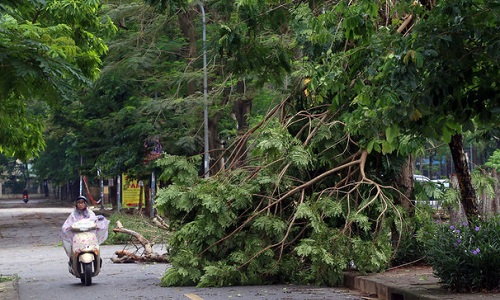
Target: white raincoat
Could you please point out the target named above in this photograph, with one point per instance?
(77, 215)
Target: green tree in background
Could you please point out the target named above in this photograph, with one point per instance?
(50, 50)
(151, 86)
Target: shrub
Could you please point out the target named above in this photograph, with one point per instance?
(466, 258)
(411, 250)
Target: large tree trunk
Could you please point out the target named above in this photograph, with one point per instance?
(188, 30)
(467, 192)
(214, 144)
(406, 185)
(241, 110)
(495, 205)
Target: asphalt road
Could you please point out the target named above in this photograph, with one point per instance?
(30, 248)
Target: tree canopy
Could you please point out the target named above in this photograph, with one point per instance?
(50, 50)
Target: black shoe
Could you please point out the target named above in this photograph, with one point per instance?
(70, 266)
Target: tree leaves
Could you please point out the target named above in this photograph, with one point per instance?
(45, 59)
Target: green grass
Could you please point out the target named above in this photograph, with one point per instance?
(4, 278)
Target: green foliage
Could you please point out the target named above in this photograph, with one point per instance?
(292, 211)
(169, 6)
(21, 128)
(484, 184)
(178, 169)
(58, 163)
(137, 98)
(276, 143)
(410, 248)
(371, 255)
(325, 257)
(466, 258)
(494, 161)
(393, 87)
(426, 190)
(50, 50)
(251, 42)
(460, 27)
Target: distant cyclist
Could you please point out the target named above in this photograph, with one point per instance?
(25, 195)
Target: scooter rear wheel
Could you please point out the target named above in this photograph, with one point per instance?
(86, 276)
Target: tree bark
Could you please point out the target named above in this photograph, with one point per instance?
(467, 192)
(495, 205)
(242, 109)
(406, 184)
(188, 30)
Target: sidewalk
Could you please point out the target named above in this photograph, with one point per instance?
(413, 283)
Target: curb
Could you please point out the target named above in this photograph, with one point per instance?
(10, 289)
(379, 289)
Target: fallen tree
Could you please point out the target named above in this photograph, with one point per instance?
(145, 256)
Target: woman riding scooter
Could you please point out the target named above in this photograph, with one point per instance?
(81, 212)
(82, 232)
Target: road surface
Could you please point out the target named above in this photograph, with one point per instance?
(30, 247)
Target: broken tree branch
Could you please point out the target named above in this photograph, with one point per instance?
(148, 255)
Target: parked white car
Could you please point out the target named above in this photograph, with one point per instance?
(423, 178)
(441, 184)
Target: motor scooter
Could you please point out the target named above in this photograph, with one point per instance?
(85, 259)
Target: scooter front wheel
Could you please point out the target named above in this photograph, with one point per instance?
(86, 276)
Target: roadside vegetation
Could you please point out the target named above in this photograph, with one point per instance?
(464, 256)
(5, 278)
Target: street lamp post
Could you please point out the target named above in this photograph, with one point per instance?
(141, 189)
(153, 195)
(206, 157)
